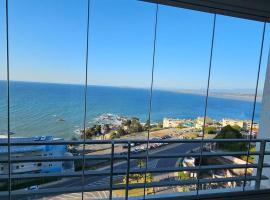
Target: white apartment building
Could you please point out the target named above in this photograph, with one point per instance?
(244, 124)
(172, 123)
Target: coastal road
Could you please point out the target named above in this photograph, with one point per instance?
(104, 180)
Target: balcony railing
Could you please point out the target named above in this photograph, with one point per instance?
(129, 156)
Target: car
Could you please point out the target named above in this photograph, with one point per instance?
(142, 147)
(42, 138)
(136, 151)
(33, 187)
(124, 146)
(165, 137)
(36, 138)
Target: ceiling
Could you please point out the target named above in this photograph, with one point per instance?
(258, 10)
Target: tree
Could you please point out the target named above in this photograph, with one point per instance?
(210, 130)
(127, 123)
(237, 127)
(105, 129)
(92, 131)
(121, 131)
(160, 125)
(146, 125)
(135, 125)
(229, 132)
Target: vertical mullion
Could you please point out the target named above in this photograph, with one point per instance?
(8, 102)
(254, 103)
(260, 165)
(111, 174)
(128, 170)
(85, 95)
(206, 100)
(150, 99)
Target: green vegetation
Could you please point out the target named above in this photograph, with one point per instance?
(92, 131)
(135, 126)
(228, 132)
(251, 157)
(130, 126)
(137, 178)
(180, 126)
(183, 176)
(237, 127)
(210, 130)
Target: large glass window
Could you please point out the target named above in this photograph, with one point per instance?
(3, 99)
(119, 71)
(47, 53)
(179, 89)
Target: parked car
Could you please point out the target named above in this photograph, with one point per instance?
(42, 138)
(33, 187)
(36, 138)
(166, 137)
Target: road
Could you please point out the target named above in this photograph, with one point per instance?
(104, 180)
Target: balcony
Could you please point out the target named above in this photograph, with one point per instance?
(120, 164)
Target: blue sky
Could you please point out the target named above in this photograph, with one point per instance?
(47, 44)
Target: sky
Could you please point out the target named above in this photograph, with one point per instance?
(48, 44)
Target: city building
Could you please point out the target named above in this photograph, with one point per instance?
(172, 123)
(35, 151)
(243, 124)
(199, 122)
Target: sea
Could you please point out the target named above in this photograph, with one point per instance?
(58, 109)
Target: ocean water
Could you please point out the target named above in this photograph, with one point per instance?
(58, 109)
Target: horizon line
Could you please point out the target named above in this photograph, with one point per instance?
(182, 90)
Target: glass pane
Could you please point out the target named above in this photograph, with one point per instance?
(47, 72)
(231, 94)
(181, 72)
(121, 43)
(3, 100)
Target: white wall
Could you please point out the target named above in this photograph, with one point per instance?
(264, 131)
